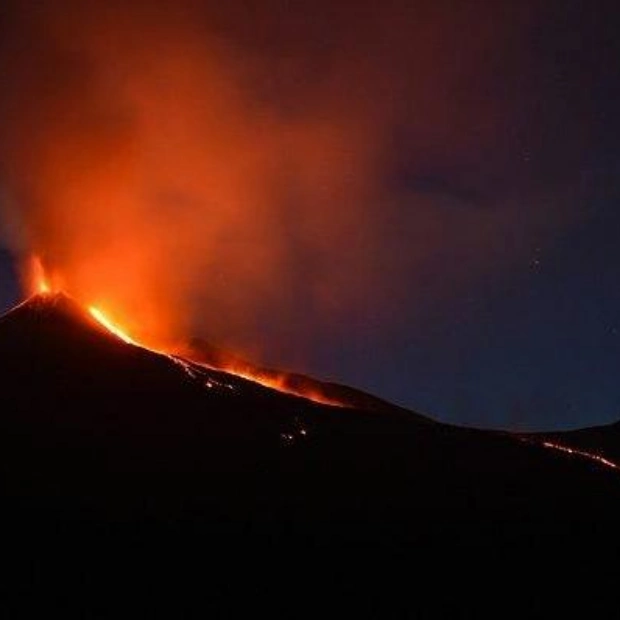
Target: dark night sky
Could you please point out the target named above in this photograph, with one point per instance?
(499, 183)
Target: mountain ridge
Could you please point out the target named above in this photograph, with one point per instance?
(95, 429)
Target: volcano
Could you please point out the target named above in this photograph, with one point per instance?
(96, 429)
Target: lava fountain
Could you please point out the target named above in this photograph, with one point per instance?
(40, 284)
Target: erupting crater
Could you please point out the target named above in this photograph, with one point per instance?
(46, 290)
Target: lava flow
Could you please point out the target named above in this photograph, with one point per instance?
(596, 458)
(279, 381)
(586, 455)
(40, 284)
(107, 323)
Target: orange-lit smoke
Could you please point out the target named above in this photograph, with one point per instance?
(198, 166)
(150, 172)
(41, 285)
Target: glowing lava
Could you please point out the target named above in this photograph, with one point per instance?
(590, 456)
(275, 381)
(40, 283)
(110, 326)
(582, 453)
(279, 381)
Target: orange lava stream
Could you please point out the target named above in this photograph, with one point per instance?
(279, 383)
(110, 326)
(275, 383)
(587, 455)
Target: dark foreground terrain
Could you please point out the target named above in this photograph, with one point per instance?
(114, 442)
(96, 430)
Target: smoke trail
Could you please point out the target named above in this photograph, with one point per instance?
(265, 177)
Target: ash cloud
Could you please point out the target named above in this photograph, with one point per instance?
(268, 177)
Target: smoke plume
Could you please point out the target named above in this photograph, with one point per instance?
(270, 176)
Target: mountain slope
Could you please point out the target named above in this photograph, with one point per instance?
(600, 440)
(215, 357)
(92, 428)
